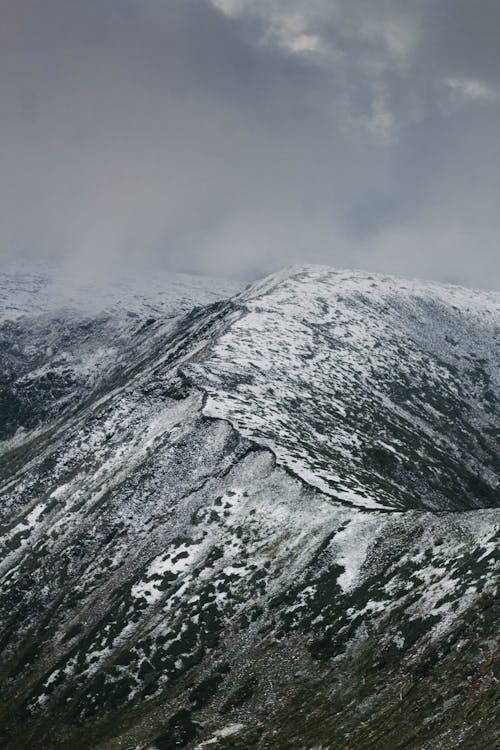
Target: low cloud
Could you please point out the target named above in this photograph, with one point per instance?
(236, 136)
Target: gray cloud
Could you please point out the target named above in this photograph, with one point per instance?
(236, 136)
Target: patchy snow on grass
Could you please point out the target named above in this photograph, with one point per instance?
(317, 357)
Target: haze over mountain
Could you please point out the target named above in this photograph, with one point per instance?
(235, 137)
(261, 517)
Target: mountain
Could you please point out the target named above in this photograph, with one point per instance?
(258, 518)
(61, 341)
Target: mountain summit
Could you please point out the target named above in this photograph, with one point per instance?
(258, 518)
(380, 392)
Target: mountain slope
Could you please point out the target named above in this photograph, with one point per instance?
(61, 343)
(274, 526)
(383, 393)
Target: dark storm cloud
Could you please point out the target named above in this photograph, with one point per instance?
(238, 136)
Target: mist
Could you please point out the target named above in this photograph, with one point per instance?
(235, 137)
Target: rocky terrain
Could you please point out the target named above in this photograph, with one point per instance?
(250, 518)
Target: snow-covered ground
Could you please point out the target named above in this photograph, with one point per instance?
(259, 505)
(362, 384)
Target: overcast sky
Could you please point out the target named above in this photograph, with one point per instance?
(232, 137)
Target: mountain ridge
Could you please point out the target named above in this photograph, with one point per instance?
(253, 321)
(169, 580)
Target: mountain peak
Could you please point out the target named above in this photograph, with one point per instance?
(367, 386)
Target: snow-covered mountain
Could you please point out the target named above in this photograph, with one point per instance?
(60, 340)
(259, 518)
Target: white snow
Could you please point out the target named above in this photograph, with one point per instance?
(350, 546)
(313, 348)
(228, 731)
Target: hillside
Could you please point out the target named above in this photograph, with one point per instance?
(264, 518)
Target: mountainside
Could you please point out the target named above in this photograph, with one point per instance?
(61, 342)
(252, 519)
